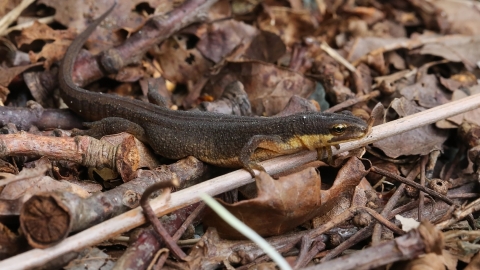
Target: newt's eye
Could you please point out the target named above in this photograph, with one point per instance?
(338, 129)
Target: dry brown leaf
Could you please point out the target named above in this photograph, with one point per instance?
(6, 6)
(359, 47)
(9, 74)
(266, 47)
(462, 17)
(219, 39)
(26, 188)
(450, 261)
(394, 59)
(28, 182)
(283, 204)
(456, 48)
(221, 9)
(211, 251)
(40, 31)
(419, 141)
(291, 25)
(430, 261)
(456, 81)
(79, 14)
(96, 258)
(298, 104)
(426, 92)
(57, 42)
(474, 263)
(32, 181)
(430, 15)
(388, 28)
(394, 82)
(349, 190)
(363, 79)
(472, 116)
(329, 67)
(240, 7)
(10, 243)
(130, 74)
(370, 15)
(269, 87)
(280, 205)
(180, 63)
(360, 197)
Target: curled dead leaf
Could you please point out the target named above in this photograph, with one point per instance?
(283, 204)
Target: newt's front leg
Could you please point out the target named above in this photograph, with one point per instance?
(328, 149)
(112, 125)
(258, 141)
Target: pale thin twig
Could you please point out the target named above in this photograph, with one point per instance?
(335, 55)
(44, 20)
(460, 214)
(470, 4)
(13, 15)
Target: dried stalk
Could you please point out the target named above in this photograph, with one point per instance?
(11, 16)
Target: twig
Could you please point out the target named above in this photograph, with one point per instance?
(419, 241)
(377, 230)
(285, 243)
(454, 163)
(472, 207)
(470, 4)
(362, 234)
(180, 232)
(335, 55)
(156, 224)
(76, 213)
(353, 101)
(154, 31)
(464, 196)
(309, 248)
(349, 213)
(415, 120)
(413, 184)
(134, 218)
(13, 15)
(44, 20)
(421, 195)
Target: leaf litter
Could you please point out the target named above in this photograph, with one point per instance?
(280, 58)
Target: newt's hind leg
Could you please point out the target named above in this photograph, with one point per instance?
(271, 143)
(112, 125)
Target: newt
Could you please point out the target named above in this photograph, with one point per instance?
(218, 139)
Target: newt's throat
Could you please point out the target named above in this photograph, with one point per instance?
(310, 142)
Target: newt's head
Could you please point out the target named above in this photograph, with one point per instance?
(330, 128)
(347, 128)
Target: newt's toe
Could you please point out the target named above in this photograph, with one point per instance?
(251, 166)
